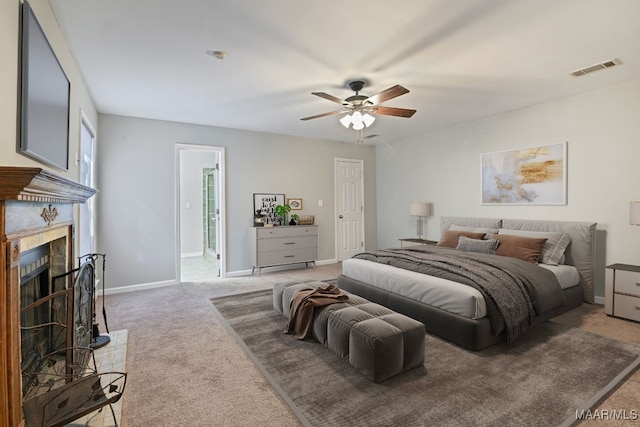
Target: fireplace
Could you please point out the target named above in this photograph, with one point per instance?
(37, 239)
(43, 315)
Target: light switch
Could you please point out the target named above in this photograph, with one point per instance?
(188, 205)
(320, 203)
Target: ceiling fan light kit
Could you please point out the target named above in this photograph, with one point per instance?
(357, 120)
(361, 109)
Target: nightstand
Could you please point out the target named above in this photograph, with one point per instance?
(419, 241)
(622, 291)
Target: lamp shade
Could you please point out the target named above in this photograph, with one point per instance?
(634, 213)
(346, 121)
(420, 209)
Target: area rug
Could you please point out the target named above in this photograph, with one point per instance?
(542, 379)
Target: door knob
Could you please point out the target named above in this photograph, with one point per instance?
(340, 217)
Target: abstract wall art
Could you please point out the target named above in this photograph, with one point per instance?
(533, 175)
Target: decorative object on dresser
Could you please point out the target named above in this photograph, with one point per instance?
(421, 210)
(258, 219)
(266, 203)
(296, 204)
(282, 211)
(275, 246)
(622, 291)
(305, 219)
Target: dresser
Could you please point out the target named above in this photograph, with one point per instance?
(272, 246)
(622, 291)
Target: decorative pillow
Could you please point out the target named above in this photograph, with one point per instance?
(526, 248)
(486, 230)
(450, 238)
(488, 246)
(554, 247)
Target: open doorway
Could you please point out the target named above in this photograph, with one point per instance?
(200, 212)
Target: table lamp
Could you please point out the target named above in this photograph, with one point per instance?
(421, 210)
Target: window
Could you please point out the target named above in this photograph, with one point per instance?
(86, 226)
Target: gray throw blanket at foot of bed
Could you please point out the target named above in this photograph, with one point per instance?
(514, 290)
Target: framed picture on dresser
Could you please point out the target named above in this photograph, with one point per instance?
(266, 203)
(296, 204)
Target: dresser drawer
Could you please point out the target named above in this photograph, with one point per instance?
(627, 307)
(287, 256)
(287, 243)
(287, 231)
(627, 282)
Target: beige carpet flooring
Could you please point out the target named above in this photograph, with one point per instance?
(186, 370)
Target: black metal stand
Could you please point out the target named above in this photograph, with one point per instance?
(97, 340)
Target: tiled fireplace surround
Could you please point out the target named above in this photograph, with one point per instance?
(36, 208)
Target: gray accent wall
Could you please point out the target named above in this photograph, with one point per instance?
(137, 203)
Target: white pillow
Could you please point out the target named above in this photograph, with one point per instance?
(553, 249)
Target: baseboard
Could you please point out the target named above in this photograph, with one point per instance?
(190, 254)
(131, 288)
(599, 300)
(238, 273)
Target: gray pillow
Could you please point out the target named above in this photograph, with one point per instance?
(488, 246)
(553, 249)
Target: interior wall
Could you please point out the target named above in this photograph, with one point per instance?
(602, 134)
(136, 169)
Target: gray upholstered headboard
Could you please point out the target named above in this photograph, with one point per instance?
(580, 252)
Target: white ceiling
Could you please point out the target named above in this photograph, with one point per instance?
(461, 60)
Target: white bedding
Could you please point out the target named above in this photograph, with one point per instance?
(445, 294)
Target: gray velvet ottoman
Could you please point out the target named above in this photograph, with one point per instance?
(377, 341)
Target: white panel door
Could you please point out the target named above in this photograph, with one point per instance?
(349, 208)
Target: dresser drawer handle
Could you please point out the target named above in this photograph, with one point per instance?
(289, 256)
(289, 243)
(637, 284)
(637, 308)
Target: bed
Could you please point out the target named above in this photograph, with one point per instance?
(462, 313)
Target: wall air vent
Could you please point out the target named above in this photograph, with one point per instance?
(591, 69)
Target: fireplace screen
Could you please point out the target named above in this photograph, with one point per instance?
(56, 319)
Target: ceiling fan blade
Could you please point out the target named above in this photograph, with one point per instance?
(392, 111)
(387, 94)
(328, 97)
(317, 116)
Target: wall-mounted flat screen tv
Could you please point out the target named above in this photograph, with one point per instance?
(44, 120)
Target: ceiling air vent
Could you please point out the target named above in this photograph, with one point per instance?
(601, 66)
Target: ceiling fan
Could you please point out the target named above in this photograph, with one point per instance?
(361, 108)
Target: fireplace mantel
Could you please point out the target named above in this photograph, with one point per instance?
(35, 205)
(39, 185)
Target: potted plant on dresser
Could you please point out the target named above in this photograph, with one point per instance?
(282, 211)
